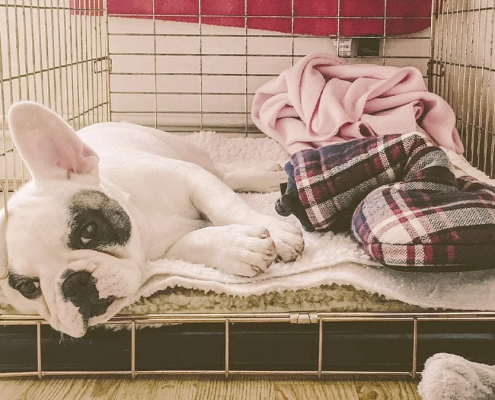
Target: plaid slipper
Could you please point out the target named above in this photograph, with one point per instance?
(418, 225)
(400, 198)
(326, 185)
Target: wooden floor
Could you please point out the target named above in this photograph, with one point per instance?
(237, 388)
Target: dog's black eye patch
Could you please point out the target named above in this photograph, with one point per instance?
(28, 286)
(97, 222)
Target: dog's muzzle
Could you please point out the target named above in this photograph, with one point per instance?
(80, 289)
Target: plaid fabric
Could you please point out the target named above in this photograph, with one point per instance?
(417, 224)
(399, 196)
(326, 185)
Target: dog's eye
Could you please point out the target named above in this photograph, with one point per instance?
(88, 232)
(29, 289)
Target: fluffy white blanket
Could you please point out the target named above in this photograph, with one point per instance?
(450, 377)
(328, 258)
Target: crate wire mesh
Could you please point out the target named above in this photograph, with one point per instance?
(70, 56)
(180, 77)
(55, 53)
(323, 320)
(463, 72)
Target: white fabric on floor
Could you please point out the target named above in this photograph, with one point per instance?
(450, 377)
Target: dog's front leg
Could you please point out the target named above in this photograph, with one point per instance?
(222, 206)
(235, 249)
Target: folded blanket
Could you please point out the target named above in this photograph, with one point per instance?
(321, 100)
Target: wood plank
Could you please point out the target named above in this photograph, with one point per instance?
(296, 389)
(207, 388)
(387, 390)
(159, 387)
(53, 388)
(235, 388)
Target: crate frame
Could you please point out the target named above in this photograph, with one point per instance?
(99, 108)
(311, 317)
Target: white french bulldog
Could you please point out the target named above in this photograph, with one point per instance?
(112, 196)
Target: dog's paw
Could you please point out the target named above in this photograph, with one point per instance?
(263, 178)
(288, 239)
(246, 251)
(267, 177)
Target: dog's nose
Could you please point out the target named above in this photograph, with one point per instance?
(80, 289)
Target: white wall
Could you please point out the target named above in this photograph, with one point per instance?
(262, 55)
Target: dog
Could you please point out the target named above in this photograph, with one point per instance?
(107, 199)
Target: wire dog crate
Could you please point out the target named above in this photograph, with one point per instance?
(179, 71)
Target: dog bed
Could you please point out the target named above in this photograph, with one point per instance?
(333, 260)
(350, 346)
(328, 298)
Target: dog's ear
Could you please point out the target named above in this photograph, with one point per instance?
(48, 145)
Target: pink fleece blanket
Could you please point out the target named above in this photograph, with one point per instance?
(321, 100)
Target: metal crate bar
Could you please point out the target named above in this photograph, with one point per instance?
(462, 65)
(45, 7)
(254, 55)
(130, 15)
(310, 317)
(468, 10)
(253, 35)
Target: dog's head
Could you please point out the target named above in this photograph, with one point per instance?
(69, 245)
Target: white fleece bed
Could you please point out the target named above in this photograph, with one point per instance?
(333, 268)
(333, 274)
